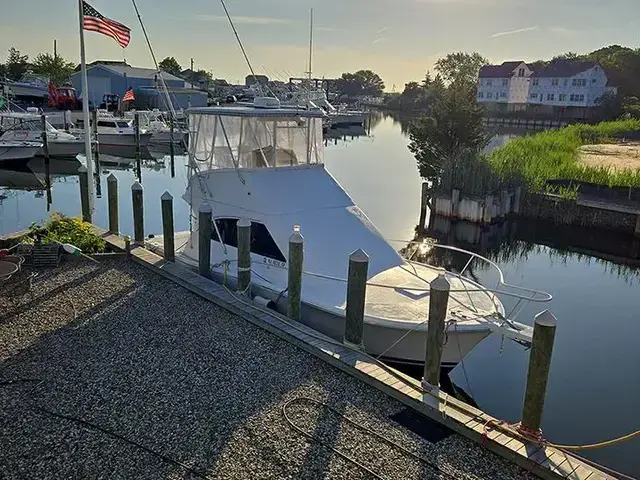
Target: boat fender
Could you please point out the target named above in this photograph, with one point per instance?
(264, 302)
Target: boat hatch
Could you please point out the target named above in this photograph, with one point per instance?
(241, 137)
(262, 243)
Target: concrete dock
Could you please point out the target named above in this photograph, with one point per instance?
(144, 369)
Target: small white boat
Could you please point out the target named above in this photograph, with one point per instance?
(116, 132)
(338, 116)
(266, 165)
(18, 126)
(154, 122)
(13, 150)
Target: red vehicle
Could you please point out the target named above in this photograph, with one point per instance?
(64, 98)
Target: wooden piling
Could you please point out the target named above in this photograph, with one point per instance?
(83, 177)
(455, 202)
(423, 205)
(544, 331)
(637, 229)
(488, 209)
(136, 129)
(127, 246)
(112, 200)
(47, 158)
(244, 256)
(96, 143)
(294, 285)
(438, 303)
(205, 228)
(166, 202)
(356, 294)
(138, 212)
(516, 200)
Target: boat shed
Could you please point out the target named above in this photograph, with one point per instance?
(118, 77)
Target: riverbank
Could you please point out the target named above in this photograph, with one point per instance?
(553, 155)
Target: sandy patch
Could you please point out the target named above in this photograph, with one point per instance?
(622, 156)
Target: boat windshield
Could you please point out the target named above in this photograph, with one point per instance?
(255, 141)
(31, 124)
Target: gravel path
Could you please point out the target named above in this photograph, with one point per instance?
(122, 348)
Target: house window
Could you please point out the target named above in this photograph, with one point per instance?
(535, 82)
(566, 82)
(579, 82)
(505, 82)
(534, 95)
(577, 97)
(593, 80)
(489, 95)
(503, 94)
(521, 72)
(554, 82)
(480, 94)
(489, 82)
(262, 243)
(551, 97)
(562, 97)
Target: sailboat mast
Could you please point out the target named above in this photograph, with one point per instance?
(85, 106)
(310, 57)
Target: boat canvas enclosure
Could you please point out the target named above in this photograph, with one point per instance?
(248, 137)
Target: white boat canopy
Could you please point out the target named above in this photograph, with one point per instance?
(249, 137)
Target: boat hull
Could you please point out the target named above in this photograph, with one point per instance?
(17, 152)
(346, 119)
(63, 149)
(123, 140)
(165, 138)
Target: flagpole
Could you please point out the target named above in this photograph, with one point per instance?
(85, 106)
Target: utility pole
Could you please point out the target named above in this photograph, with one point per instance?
(55, 49)
(192, 72)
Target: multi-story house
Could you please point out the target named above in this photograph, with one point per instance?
(568, 83)
(505, 86)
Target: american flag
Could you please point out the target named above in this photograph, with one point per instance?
(96, 22)
(129, 96)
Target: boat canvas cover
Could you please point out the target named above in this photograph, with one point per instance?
(243, 141)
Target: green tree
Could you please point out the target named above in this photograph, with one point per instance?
(362, 82)
(57, 69)
(610, 105)
(460, 67)
(170, 65)
(3, 70)
(453, 129)
(16, 64)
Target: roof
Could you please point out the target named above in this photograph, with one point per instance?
(564, 68)
(499, 71)
(248, 111)
(133, 72)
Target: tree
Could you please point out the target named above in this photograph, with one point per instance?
(453, 129)
(362, 82)
(16, 64)
(460, 67)
(610, 105)
(170, 65)
(566, 56)
(3, 71)
(57, 69)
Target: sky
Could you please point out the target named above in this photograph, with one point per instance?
(398, 39)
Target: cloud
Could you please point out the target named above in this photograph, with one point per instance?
(247, 20)
(377, 40)
(514, 32)
(382, 30)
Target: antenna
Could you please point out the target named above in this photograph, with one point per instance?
(310, 58)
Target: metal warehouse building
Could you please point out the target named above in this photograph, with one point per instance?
(118, 77)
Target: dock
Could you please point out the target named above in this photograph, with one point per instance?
(144, 369)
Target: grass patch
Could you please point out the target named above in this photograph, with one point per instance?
(555, 154)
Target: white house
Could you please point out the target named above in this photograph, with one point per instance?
(504, 84)
(568, 83)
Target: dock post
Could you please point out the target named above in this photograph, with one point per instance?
(127, 246)
(516, 200)
(544, 331)
(455, 202)
(438, 303)
(96, 144)
(166, 203)
(138, 212)
(112, 199)
(47, 158)
(423, 206)
(83, 176)
(356, 294)
(205, 228)
(244, 256)
(637, 229)
(136, 130)
(294, 285)
(488, 209)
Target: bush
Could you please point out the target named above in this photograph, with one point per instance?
(70, 230)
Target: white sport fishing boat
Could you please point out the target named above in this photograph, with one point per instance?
(266, 165)
(154, 122)
(14, 150)
(18, 126)
(116, 132)
(337, 116)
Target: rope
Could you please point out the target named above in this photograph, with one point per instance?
(359, 426)
(592, 446)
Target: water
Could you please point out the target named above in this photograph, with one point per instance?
(595, 381)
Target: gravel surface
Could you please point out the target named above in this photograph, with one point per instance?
(122, 348)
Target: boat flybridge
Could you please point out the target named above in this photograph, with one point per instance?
(266, 165)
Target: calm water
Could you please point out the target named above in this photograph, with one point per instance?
(595, 376)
